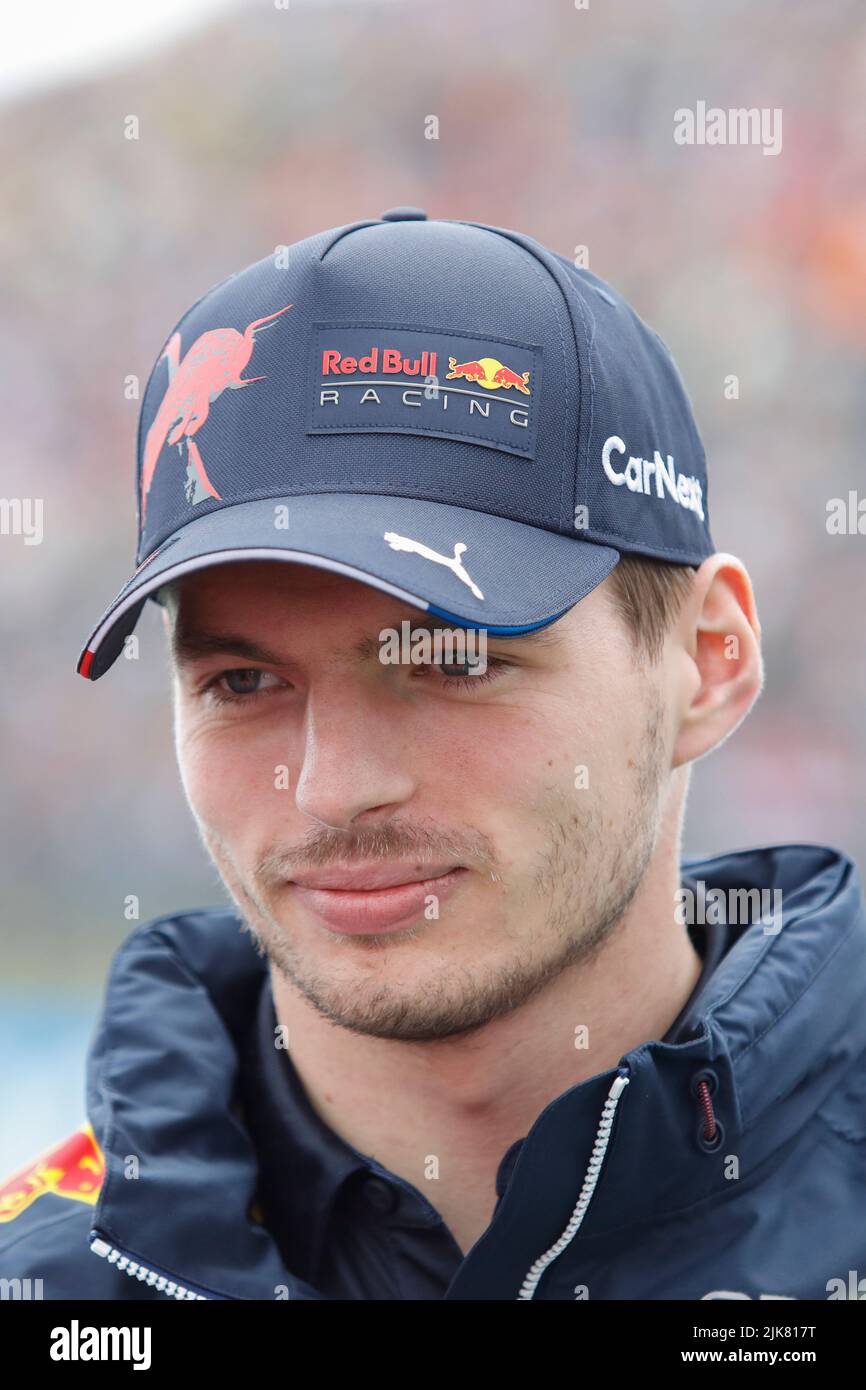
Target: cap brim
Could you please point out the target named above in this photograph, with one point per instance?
(470, 568)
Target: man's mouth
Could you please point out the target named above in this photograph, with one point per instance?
(375, 897)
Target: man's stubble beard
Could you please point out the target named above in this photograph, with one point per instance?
(588, 873)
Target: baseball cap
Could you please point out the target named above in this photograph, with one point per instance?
(445, 410)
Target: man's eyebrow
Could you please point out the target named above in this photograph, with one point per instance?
(540, 637)
(189, 644)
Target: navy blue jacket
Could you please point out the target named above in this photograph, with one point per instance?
(617, 1193)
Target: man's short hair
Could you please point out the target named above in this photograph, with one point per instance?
(649, 594)
(166, 596)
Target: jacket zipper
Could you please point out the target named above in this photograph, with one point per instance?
(163, 1283)
(599, 1148)
(147, 1274)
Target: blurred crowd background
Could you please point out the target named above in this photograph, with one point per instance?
(259, 125)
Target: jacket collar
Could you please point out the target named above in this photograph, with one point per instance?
(779, 1023)
(303, 1163)
(180, 1168)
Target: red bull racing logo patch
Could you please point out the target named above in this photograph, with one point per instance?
(75, 1168)
(420, 381)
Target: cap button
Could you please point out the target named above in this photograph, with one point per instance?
(404, 215)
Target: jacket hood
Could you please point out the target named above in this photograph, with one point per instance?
(780, 1024)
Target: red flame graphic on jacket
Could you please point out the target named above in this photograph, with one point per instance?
(212, 365)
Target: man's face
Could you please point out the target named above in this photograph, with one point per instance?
(537, 786)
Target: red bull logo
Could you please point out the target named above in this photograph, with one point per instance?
(213, 364)
(390, 362)
(368, 377)
(75, 1168)
(489, 373)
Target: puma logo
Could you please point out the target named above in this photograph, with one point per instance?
(452, 561)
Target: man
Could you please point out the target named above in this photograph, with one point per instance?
(473, 1030)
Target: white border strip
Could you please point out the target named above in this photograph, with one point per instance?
(261, 553)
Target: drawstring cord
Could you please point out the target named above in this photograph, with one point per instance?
(703, 1093)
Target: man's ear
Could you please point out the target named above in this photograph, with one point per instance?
(721, 673)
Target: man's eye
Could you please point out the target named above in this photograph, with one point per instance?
(244, 685)
(466, 674)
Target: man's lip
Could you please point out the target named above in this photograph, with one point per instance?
(360, 878)
(387, 908)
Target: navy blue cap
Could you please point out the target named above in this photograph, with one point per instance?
(444, 410)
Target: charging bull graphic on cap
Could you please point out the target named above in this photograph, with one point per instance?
(489, 373)
(212, 365)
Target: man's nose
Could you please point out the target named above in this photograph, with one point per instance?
(353, 757)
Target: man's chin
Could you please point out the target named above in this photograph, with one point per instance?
(416, 1001)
